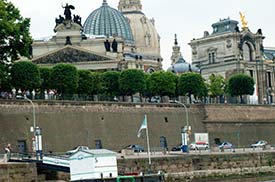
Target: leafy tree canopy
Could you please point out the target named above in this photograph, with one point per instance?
(110, 83)
(64, 78)
(45, 74)
(162, 83)
(240, 84)
(146, 91)
(216, 86)
(97, 83)
(15, 39)
(192, 83)
(131, 82)
(4, 78)
(85, 82)
(25, 75)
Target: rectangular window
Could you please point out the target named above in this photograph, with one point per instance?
(251, 73)
(209, 58)
(213, 57)
(269, 79)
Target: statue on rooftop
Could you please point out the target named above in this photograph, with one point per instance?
(244, 21)
(67, 11)
(107, 45)
(77, 19)
(114, 45)
(59, 20)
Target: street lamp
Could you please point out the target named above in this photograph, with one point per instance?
(34, 125)
(37, 135)
(33, 113)
(36, 132)
(186, 111)
(186, 129)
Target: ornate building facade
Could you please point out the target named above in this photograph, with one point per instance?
(178, 63)
(147, 40)
(108, 40)
(228, 50)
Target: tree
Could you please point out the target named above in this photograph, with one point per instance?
(4, 78)
(162, 83)
(85, 82)
(110, 83)
(146, 91)
(45, 75)
(64, 78)
(25, 75)
(239, 85)
(131, 82)
(216, 86)
(15, 39)
(97, 83)
(192, 83)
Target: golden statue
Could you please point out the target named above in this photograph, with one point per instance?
(243, 20)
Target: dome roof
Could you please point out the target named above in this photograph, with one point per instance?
(146, 38)
(181, 66)
(108, 21)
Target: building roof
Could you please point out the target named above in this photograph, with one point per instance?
(92, 153)
(224, 26)
(269, 53)
(108, 21)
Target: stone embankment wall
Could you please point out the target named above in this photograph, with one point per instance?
(176, 168)
(69, 124)
(18, 172)
(240, 124)
(200, 166)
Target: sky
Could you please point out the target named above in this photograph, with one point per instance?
(186, 18)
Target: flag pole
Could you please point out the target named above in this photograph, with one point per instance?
(148, 144)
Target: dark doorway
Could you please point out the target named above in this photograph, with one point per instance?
(163, 143)
(22, 147)
(98, 144)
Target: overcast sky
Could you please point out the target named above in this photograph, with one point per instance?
(188, 18)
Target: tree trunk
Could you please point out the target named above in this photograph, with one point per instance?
(241, 97)
(140, 97)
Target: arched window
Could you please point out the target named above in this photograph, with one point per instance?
(247, 52)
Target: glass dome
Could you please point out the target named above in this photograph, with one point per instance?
(107, 21)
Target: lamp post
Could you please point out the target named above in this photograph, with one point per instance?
(186, 111)
(186, 129)
(33, 113)
(34, 126)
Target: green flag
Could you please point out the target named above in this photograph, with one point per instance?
(143, 126)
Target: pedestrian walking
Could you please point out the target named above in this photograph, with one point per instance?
(7, 152)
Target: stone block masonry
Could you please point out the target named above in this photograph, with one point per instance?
(18, 172)
(183, 167)
(69, 124)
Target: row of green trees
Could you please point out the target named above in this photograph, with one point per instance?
(15, 41)
(67, 80)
